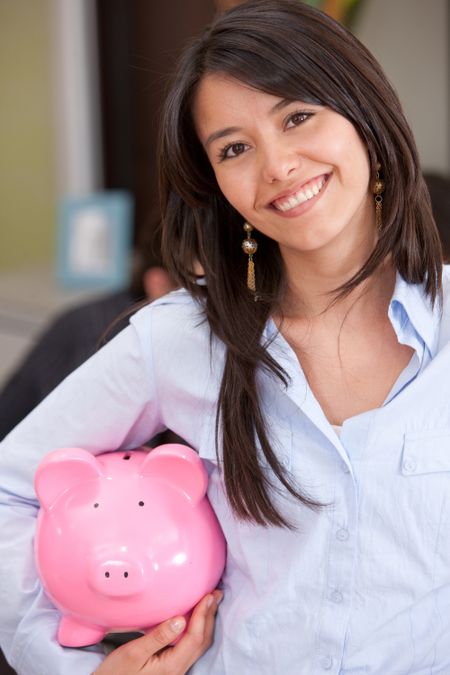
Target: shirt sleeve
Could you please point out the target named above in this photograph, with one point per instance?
(108, 403)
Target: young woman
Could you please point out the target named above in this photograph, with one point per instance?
(308, 367)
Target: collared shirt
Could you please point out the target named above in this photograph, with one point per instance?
(360, 586)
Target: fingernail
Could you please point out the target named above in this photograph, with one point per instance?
(177, 624)
(214, 599)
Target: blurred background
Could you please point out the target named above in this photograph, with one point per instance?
(82, 83)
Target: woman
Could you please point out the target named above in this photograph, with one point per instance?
(307, 369)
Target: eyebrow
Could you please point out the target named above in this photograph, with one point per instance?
(221, 133)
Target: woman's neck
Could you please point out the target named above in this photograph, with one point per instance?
(313, 278)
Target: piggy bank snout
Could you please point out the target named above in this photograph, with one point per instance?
(117, 576)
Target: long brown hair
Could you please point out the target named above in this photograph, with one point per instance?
(290, 50)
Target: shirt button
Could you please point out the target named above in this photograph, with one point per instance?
(409, 465)
(326, 662)
(336, 596)
(342, 534)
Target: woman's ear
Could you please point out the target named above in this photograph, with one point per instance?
(62, 470)
(179, 466)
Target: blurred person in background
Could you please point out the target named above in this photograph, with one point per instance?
(74, 336)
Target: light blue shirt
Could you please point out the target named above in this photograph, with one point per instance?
(362, 586)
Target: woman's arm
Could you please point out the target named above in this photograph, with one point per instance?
(107, 403)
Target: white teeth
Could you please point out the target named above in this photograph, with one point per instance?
(300, 197)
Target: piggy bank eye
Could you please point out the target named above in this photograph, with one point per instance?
(96, 505)
(141, 503)
(127, 456)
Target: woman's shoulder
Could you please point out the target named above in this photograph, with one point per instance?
(175, 338)
(175, 306)
(173, 316)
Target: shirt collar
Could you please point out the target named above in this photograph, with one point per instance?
(410, 308)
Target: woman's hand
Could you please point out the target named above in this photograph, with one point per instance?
(151, 653)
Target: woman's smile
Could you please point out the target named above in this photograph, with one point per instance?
(298, 200)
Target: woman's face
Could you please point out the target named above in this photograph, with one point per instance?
(297, 172)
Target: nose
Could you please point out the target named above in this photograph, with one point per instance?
(117, 577)
(279, 160)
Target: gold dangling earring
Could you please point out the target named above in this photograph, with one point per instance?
(378, 189)
(250, 246)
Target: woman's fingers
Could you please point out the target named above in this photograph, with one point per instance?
(159, 637)
(198, 636)
(147, 655)
(211, 617)
(134, 656)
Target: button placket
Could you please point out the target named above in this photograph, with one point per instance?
(342, 534)
(339, 577)
(336, 596)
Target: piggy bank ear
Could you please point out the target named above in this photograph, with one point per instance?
(61, 470)
(180, 466)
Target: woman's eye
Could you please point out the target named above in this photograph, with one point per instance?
(232, 150)
(296, 119)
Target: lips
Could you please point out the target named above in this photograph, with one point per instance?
(303, 194)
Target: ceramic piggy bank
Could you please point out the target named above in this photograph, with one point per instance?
(124, 540)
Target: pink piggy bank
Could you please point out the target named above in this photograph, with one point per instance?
(124, 540)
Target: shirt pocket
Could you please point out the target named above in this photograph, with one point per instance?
(425, 471)
(426, 453)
